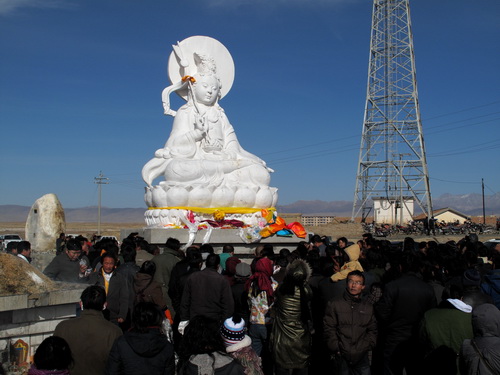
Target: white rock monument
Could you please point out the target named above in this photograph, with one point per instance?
(206, 171)
(45, 222)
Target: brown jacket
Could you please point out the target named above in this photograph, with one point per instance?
(146, 289)
(90, 338)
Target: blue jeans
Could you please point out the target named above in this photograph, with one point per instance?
(258, 334)
(360, 368)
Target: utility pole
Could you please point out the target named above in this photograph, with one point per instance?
(392, 124)
(100, 180)
(484, 210)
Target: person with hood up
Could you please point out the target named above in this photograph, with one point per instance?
(352, 252)
(481, 354)
(144, 350)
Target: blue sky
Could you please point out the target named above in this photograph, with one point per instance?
(81, 82)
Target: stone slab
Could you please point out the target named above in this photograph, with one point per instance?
(67, 293)
(14, 302)
(35, 328)
(44, 313)
(64, 296)
(218, 238)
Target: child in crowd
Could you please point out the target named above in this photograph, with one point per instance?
(239, 345)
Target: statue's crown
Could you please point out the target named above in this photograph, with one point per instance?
(205, 64)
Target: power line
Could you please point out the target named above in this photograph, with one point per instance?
(463, 120)
(490, 189)
(462, 110)
(474, 148)
(315, 154)
(461, 126)
(310, 145)
(455, 182)
(427, 132)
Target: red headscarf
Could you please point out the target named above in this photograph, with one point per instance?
(262, 276)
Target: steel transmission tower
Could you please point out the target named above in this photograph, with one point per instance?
(392, 162)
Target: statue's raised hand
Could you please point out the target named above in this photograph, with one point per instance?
(200, 124)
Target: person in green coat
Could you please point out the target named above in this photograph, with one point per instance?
(444, 329)
(165, 262)
(291, 336)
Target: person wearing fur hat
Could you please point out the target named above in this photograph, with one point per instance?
(291, 336)
(353, 252)
(238, 345)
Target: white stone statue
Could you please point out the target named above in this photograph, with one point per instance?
(203, 163)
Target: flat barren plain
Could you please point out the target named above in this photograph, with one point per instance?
(352, 231)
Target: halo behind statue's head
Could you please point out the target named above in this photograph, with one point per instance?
(184, 54)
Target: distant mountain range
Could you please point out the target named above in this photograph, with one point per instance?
(470, 204)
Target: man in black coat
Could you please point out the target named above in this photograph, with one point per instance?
(350, 328)
(399, 312)
(143, 350)
(116, 286)
(207, 293)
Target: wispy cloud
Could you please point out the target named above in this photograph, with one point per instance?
(11, 6)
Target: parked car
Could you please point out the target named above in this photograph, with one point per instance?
(490, 244)
(109, 238)
(6, 238)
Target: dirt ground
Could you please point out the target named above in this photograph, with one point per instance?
(85, 229)
(352, 231)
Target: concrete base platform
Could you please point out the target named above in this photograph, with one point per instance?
(32, 318)
(218, 239)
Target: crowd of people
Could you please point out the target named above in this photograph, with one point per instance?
(370, 307)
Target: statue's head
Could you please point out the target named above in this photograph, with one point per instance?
(206, 88)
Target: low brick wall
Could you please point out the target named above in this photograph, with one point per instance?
(32, 318)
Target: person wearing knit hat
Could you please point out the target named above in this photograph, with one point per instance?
(233, 330)
(238, 345)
